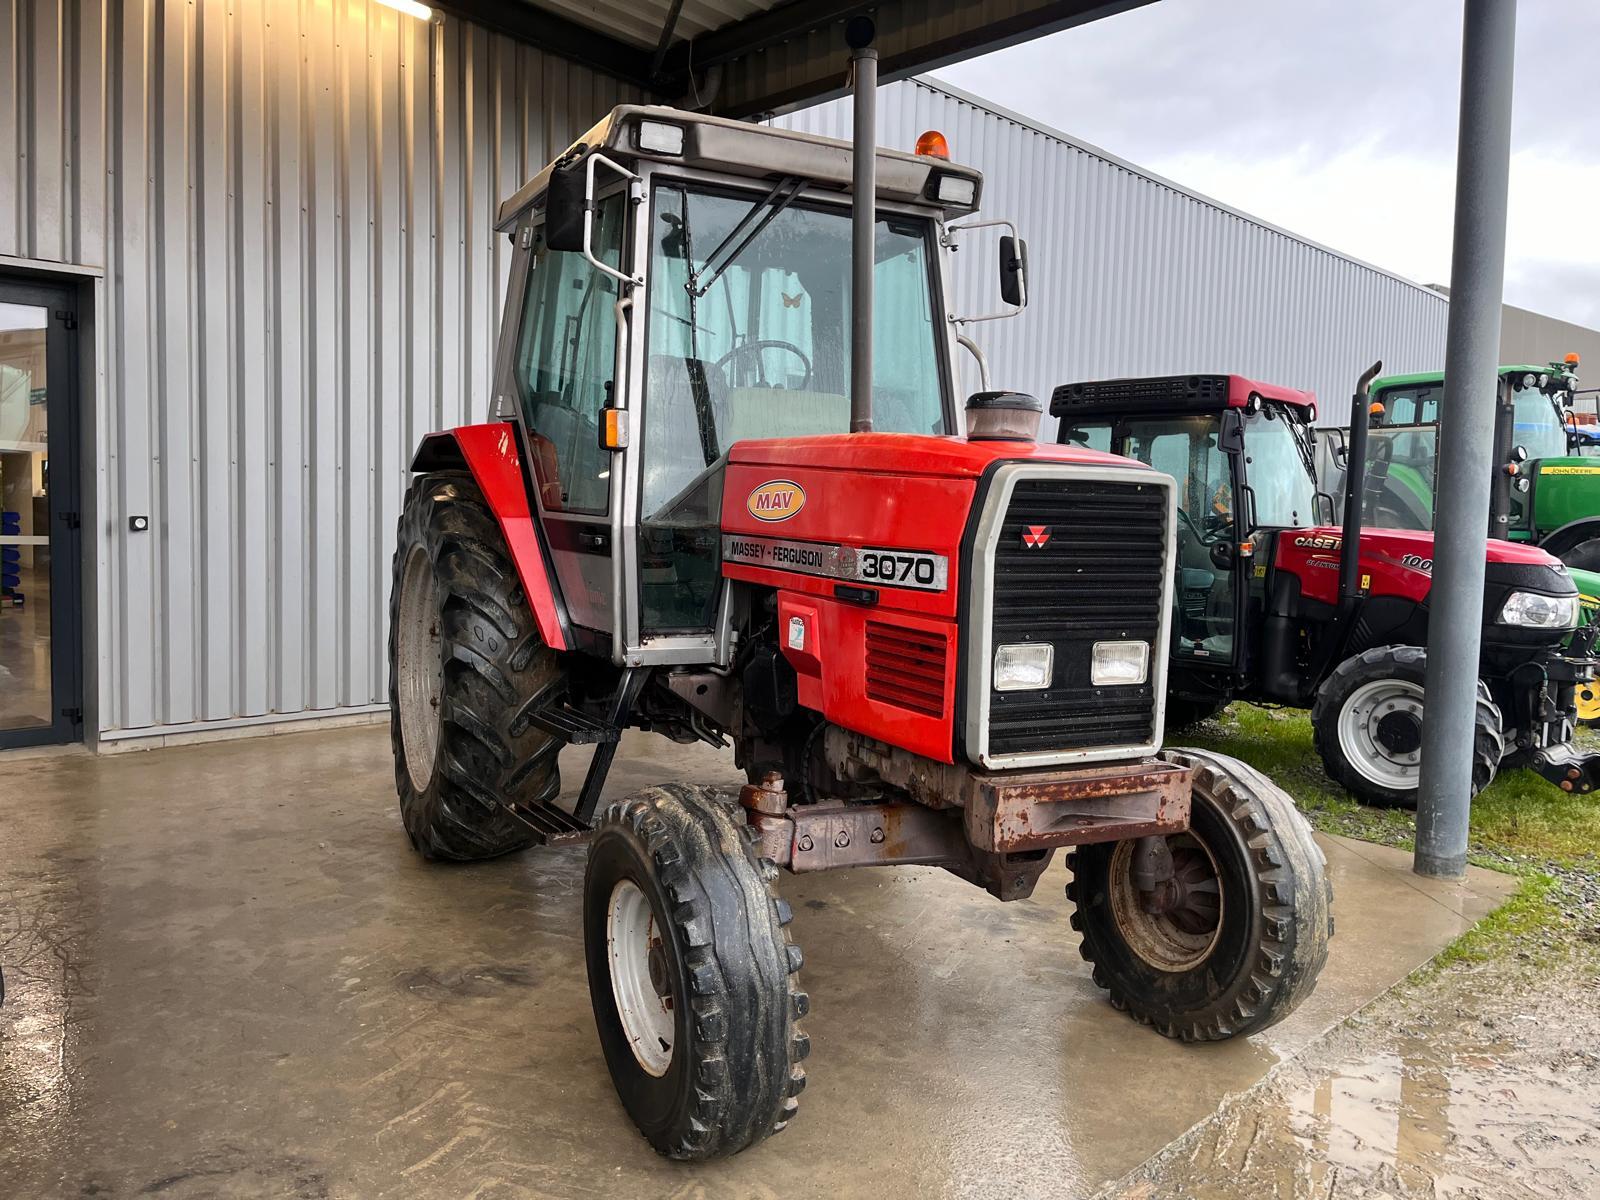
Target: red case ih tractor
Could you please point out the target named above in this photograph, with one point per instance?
(672, 529)
(1277, 604)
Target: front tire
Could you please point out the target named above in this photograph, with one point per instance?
(1240, 941)
(467, 668)
(1367, 725)
(692, 974)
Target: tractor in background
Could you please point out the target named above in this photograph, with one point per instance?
(729, 497)
(1275, 603)
(1545, 490)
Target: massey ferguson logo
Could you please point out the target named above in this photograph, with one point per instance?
(1034, 537)
(776, 500)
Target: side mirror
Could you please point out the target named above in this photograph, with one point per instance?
(1013, 271)
(566, 208)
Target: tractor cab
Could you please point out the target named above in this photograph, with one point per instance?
(1243, 454)
(706, 300)
(1542, 491)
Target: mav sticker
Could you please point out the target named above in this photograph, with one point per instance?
(776, 500)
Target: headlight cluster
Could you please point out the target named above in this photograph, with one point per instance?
(1030, 666)
(1530, 610)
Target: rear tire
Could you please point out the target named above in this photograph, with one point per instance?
(1367, 725)
(1585, 555)
(1247, 941)
(467, 668)
(692, 974)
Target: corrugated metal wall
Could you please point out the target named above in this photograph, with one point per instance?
(293, 205)
(1131, 275)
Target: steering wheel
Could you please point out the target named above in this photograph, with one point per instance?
(1200, 535)
(759, 345)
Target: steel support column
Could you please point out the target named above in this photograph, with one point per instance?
(1477, 277)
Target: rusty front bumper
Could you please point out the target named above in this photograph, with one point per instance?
(959, 810)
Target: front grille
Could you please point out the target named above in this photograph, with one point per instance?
(1100, 575)
(906, 667)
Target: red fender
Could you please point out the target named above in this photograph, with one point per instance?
(490, 453)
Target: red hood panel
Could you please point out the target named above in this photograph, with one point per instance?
(1394, 562)
(910, 454)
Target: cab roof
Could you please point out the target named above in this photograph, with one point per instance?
(1418, 377)
(756, 151)
(1171, 393)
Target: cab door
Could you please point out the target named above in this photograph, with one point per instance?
(1206, 591)
(563, 374)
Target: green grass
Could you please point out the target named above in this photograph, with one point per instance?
(1531, 911)
(1519, 815)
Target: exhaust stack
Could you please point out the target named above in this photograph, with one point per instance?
(859, 34)
(1355, 481)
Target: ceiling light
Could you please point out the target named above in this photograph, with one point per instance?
(410, 7)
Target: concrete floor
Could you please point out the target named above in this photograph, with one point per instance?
(228, 975)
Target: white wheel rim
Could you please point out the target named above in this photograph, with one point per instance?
(419, 667)
(632, 936)
(1359, 719)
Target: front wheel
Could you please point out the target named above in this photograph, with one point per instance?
(1235, 939)
(1367, 724)
(692, 974)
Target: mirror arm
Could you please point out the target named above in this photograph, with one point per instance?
(947, 236)
(635, 195)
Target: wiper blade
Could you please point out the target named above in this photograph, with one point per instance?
(761, 214)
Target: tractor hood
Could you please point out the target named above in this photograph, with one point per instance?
(911, 454)
(1399, 562)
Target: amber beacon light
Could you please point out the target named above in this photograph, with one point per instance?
(933, 144)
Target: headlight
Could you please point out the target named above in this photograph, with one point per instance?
(1533, 611)
(1023, 666)
(1119, 663)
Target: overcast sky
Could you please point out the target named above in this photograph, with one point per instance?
(1336, 119)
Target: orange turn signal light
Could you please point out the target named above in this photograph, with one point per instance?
(613, 429)
(933, 144)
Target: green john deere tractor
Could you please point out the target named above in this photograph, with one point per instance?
(1546, 485)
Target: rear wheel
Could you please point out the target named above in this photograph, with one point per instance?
(1236, 938)
(1585, 555)
(467, 668)
(692, 974)
(1367, 723)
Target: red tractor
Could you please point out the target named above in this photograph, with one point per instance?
(1276, 603)
(924, 645)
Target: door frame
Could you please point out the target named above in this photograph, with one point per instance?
(63, 412)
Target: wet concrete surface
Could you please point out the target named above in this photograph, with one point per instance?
(1478, 1084)
(229, 976)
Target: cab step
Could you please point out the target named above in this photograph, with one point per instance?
(574, 726)
(551, 826)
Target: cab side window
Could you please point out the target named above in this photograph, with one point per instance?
(566, 355)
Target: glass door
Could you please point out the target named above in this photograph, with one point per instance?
(39, 604)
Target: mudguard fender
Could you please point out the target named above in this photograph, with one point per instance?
(1559, 541)
(489, 452)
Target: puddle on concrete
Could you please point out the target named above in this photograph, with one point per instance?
(1495, 1102)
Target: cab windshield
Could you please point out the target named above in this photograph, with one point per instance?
(1537, 424)
(748, 336)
